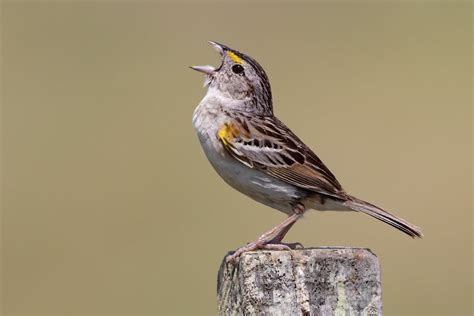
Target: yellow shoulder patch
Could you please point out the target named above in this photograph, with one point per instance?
(227, 133)
(234, 57)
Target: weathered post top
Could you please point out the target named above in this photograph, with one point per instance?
(314, 281)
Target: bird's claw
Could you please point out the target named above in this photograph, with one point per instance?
(293, 245)
(260, 244)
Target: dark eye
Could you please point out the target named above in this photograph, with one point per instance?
(237, 69)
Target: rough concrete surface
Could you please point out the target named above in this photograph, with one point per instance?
(315, 281)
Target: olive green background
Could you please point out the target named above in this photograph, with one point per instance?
(109, 206)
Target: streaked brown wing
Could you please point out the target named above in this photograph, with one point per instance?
(267, 144)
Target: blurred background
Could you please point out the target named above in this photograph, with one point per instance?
(109, 206)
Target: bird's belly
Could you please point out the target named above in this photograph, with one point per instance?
(251, 182)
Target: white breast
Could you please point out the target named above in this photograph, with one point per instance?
(259, 186)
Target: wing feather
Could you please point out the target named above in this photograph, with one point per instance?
(265, 143)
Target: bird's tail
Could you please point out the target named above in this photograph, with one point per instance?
(380, 214)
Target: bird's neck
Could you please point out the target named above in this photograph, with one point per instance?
(246, 104)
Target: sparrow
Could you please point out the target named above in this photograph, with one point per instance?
(258, 155)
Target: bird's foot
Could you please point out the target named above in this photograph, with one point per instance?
(233, 258)
(264, 245)
(271, 240)
(292, 245)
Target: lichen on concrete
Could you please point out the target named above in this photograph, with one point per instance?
(316, 281)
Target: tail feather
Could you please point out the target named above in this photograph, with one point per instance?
(380, 214)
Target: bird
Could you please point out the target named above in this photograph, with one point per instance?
(258, 155)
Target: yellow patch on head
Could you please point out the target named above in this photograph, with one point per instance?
(234, 57)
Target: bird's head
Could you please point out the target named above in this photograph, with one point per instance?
(239, 78)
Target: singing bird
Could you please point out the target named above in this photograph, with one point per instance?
(259, 156)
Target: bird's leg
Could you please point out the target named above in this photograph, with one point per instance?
(275, 234)
(279, 237)
(263, 241)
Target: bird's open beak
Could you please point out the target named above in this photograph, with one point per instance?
(209, 70)
(219, 47)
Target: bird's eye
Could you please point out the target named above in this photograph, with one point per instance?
(237, 69)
